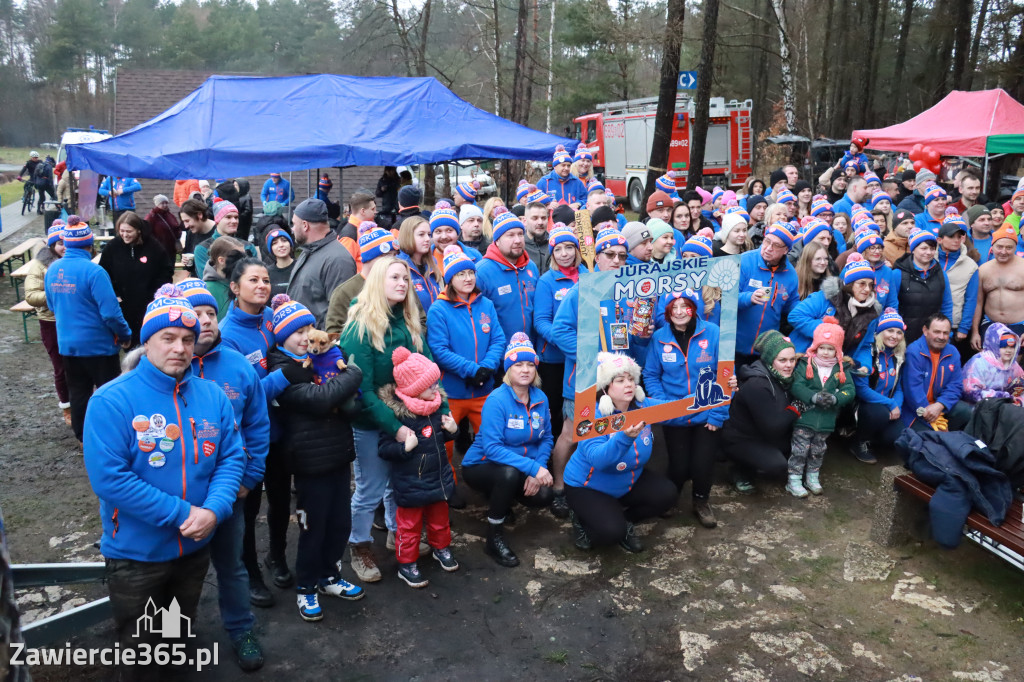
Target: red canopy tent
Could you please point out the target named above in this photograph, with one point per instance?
(959, 125)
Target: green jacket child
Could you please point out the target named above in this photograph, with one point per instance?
(824, 400)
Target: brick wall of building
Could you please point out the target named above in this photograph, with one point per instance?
(142, 94)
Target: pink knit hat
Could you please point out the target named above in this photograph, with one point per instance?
(828, 332)
(414, 373)
(705, 196)
(223, 208)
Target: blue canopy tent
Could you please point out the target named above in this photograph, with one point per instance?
(234, 126)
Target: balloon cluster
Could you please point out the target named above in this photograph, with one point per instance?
(924, 156)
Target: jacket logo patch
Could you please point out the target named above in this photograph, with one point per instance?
(427, 431)
(560, 294)
(621, 466)
(506, 289)
(209, 448)
(703, 343)
(208, 430)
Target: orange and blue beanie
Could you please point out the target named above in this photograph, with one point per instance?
(700, 244)
(375, 241)
(857, 268)
(455, 261)
(594, 186)
(820, 205)
(667, 182)
(561, 156)
(444, 216)
(813, 228)
(77, 234)
(785, 196)
(289, 317)
(932, 193)
(919, 236)
(523, 189)
(561, 234)
(520, 349)
(538, 196)
(169, 308)
(890, 319)
(55, 233)
(468, 190)
(195, 292)
(866, 239)
(782, 232)
(504, 220)
(583, 153)
(608, 238)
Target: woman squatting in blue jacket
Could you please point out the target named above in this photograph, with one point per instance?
(682, 362)
(606, 482)
(562, 275)
(880, 393)
(467, 342)
(508, 460)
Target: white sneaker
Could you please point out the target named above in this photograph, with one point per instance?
(309, 607)
(390, 544)
(363, 563)
(337, 587)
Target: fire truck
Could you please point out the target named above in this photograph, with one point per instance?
(620, 135)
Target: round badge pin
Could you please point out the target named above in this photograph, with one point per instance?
(157, 460)
(166, 444)
(147, 445)
(140, 423)
(172, 431)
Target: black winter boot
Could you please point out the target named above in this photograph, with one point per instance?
(497, 548)
(631, 543)
(579, 533)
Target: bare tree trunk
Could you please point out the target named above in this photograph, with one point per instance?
(788, 91)
(901, 58)
(705, 71)
(972, 59)
(961, 40)
(866, 76)
(821, 100)
(876, 60)
(517, 71)
(670, 53)
(1015, 69)
(497, 60)
(533, 56)
(551, 65)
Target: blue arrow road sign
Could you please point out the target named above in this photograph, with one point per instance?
(687, 80)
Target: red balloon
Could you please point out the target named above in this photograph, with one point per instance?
(918, 165)
(915, 151)
(933, 157)
(936, 168)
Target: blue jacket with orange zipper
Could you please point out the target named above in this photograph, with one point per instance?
(674, 373)
(426, 287)
(512, 432)
(752, 319)
(552, 288)
(232, 372)
(510, 288)
(570, 189)
(154, 447)
(942, 378)
(463, 337)
(253, 337)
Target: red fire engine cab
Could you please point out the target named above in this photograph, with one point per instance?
(620, 135)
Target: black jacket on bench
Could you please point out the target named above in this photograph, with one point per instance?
(1000, 423)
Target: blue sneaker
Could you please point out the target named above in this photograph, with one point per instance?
(337, 587)
(309, 607)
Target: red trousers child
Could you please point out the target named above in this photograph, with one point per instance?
(410, 522)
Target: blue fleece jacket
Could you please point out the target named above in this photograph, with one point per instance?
(511, 288)
(944, 378)
(752, 319)
(125, 201)
(887, 286)
(154, 447)
(426, 288)
(552, 289)
(887, 369)
(463, 337)
(925, 221)
(984, 247)
(612, 463)
(81, 297)
(807, 315)
(564, 328)
(513, 433)
(844, 205)
(674, 373)
(948, 260)
(281, 192)
(253, 337)
(232, 372)
(571, 190)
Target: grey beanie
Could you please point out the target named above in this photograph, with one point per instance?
(924, 174)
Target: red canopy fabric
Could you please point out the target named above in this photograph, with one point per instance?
(959, 125)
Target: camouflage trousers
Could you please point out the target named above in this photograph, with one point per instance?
(807, 452)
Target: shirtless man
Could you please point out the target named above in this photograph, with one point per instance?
(1001, 287)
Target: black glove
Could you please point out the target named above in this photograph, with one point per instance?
(797, 406)
(295, 373)
(824, 399)
(482, 376)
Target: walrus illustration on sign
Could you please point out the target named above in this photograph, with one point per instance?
(708, 393)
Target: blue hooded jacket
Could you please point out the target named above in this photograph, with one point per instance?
(125, 201)
(887, 286)
(945, 379)
(886, 371)
(673, 373)
(154, 447)
(232, 372)
(253, 337)
(552, 288)
(753, 319)
(808, 314)
(463, 337)
(511, 289)
(426, 288)
(513, 433)
(82, 299)
(281, 192)
(571, 190)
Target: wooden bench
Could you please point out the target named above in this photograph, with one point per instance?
(895, 518)
(26, 311)
(23, 252)
(17, 276)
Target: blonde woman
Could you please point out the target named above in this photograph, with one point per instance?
(414, 244)
(488, 231)
(384, 317)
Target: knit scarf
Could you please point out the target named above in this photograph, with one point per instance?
(293, 356)
(785, 381)
(423, 408)
(572, 273)
(857, 306)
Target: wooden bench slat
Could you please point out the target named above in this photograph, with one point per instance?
(22, 307)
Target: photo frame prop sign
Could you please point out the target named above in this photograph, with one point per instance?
(604, 298)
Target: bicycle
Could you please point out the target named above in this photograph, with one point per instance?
(28, 197)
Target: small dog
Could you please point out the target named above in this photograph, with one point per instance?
(324, 355)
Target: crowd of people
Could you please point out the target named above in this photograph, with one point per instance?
(349, 355)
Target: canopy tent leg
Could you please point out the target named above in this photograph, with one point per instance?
(984, 180)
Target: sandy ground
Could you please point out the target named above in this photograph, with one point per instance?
(783, 589)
